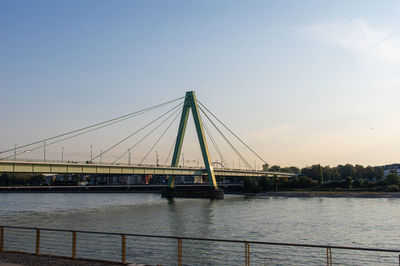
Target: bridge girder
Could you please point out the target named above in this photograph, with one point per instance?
(82, 168)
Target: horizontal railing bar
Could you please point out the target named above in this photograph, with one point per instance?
(211, 239)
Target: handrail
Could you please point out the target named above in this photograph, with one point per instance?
(209, 239)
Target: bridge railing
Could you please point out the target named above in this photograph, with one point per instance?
(174, 250)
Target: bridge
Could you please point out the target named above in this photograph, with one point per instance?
(9, 163)
(92, 168)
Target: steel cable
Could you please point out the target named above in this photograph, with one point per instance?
(95, 125)
(137, 143)
(247, 146)
(208, 132)
(144, 158)
(131, 135)
(226, 139)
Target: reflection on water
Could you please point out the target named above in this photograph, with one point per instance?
(335, 221)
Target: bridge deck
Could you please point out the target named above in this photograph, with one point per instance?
(88, 168)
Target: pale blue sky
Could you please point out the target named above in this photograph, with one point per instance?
(303, 82)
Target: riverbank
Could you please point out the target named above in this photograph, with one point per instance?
(330, 194)
(20, 258)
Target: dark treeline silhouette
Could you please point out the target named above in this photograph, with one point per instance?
(317, 177)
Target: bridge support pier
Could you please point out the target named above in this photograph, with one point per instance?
(204, 192)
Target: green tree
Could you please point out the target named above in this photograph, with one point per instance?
(336, 176)
(392, 179)
(316, 173)
(327, 173)
(379, 173)
(294, 170)
(306, 171)
(349, 170)
(369, 172)
(265, 167)
(275, 181)
(348, 181)
(264, 183)
(275, 168)
(291, 169)
(251, 184)
(304, 181)
(357, 182)
(359, 171)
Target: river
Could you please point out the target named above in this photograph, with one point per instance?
(366, 222)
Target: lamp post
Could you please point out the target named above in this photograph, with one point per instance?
(62, 154)
(129, 157)
(91, 153)
(156, 158)
(15, 152)
(44, 151)
(101, 156)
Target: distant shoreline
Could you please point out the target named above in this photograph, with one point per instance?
(329, 194)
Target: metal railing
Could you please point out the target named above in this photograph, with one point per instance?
(173, 250)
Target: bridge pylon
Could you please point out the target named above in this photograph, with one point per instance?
(191, 104)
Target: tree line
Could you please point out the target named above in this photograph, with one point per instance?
(318, 177)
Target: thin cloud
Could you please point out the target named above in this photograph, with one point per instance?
(359, 37)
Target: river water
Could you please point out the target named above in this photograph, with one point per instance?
(366, 222)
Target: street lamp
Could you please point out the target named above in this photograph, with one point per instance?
(91, 153)
(156, 158)
(44, 151)
(62, 154)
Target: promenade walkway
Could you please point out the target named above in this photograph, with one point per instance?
(19, 259)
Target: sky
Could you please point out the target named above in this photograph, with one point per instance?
(301, 82)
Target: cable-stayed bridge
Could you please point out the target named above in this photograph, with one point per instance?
(12, 161)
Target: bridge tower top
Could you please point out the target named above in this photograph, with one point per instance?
(191, 104)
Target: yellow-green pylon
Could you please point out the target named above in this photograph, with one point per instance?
(191, 103)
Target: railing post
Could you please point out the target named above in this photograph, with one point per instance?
(37, 241)
(123, 249)
(179, 252)
(328, 256)
(1, 238)
(247, 253)
(74, 245)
